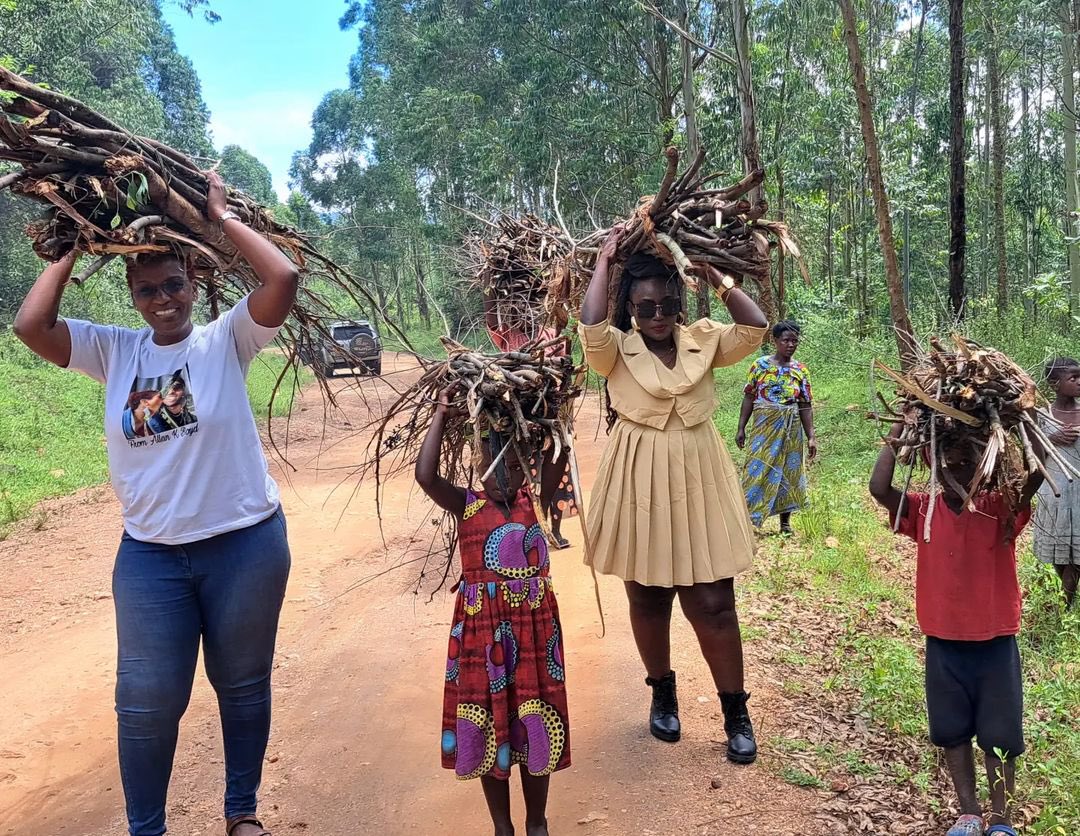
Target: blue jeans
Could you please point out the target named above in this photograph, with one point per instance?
(227, 591)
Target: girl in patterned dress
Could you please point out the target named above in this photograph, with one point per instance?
(778, 397)
(505, 696)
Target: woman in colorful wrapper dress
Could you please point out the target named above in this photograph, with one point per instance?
(505, 693)
(782, 441)
(668, 515)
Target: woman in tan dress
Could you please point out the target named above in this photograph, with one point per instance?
(668, 514)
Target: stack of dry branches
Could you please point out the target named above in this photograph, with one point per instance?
(518, 266)
(526, 397)
(110, 193)
(687, 222)
(977, 396)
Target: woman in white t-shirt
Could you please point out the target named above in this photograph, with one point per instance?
(204, 555)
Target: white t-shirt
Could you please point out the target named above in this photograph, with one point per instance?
(185, 456)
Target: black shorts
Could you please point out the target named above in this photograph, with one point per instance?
(975, 690)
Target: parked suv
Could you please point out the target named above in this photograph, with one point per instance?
(355, 344)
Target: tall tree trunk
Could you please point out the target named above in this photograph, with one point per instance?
(1068, 115)
(665, 98)
(986, 196)
(396, 279)
(847, 243)
(693, 137)
(380, 289)
(905, 340)
(912, 102)
(781, 262)
(997, 153)
(1025, 175)
(957, 143)
(829, 238)
(751, 147)
(1036, 232)
(421, 289)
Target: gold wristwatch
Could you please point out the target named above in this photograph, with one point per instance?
(727, 284)
(228, 214)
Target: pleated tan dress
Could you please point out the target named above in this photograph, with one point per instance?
(667, 507)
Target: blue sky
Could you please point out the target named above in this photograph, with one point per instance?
(264, 68)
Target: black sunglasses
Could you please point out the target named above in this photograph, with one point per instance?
(668, 306)
(172, 287)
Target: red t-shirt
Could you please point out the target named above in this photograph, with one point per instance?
(966, 587)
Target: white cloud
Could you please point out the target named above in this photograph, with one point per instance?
(270, 125)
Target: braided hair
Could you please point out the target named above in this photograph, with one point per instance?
(639, 267)
(495, 443)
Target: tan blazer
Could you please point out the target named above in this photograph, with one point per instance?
(645, 391)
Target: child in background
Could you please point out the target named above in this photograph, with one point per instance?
(967, 598)
(505, 696)
(523, 328)
(1057, 519)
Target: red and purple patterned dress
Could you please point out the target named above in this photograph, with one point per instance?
(505, 698)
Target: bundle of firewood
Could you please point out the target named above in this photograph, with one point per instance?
(687, 222)
(110, 193)
(520, 266)
(525, 398)
(971, 395)
(521, 395)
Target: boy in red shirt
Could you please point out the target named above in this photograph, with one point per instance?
(967, 599)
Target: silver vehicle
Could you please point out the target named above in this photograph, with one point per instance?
(355, 345)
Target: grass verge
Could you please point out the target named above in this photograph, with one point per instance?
(51, 436)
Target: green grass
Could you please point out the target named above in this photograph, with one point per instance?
(51, 437)
(263, 377)
(847, 566)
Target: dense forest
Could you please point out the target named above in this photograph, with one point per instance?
(455, 109)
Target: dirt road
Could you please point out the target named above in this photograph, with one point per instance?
(358, 684)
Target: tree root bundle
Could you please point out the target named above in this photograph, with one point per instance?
(524, 397)
(979, 398)
(687, 222)
(110, 193)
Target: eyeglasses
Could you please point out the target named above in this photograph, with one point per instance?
(172, 287)
(668, 306)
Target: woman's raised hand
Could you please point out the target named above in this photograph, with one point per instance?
(709, 273)
(611, 243)
(216, 202)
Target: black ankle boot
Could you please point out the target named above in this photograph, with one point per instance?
(664, 713)
(741, 747)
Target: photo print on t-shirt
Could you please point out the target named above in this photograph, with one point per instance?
(159, 408)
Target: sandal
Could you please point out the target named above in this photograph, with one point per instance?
(1001, 829)
(968, 825)
(561, 543)
(236, 821)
